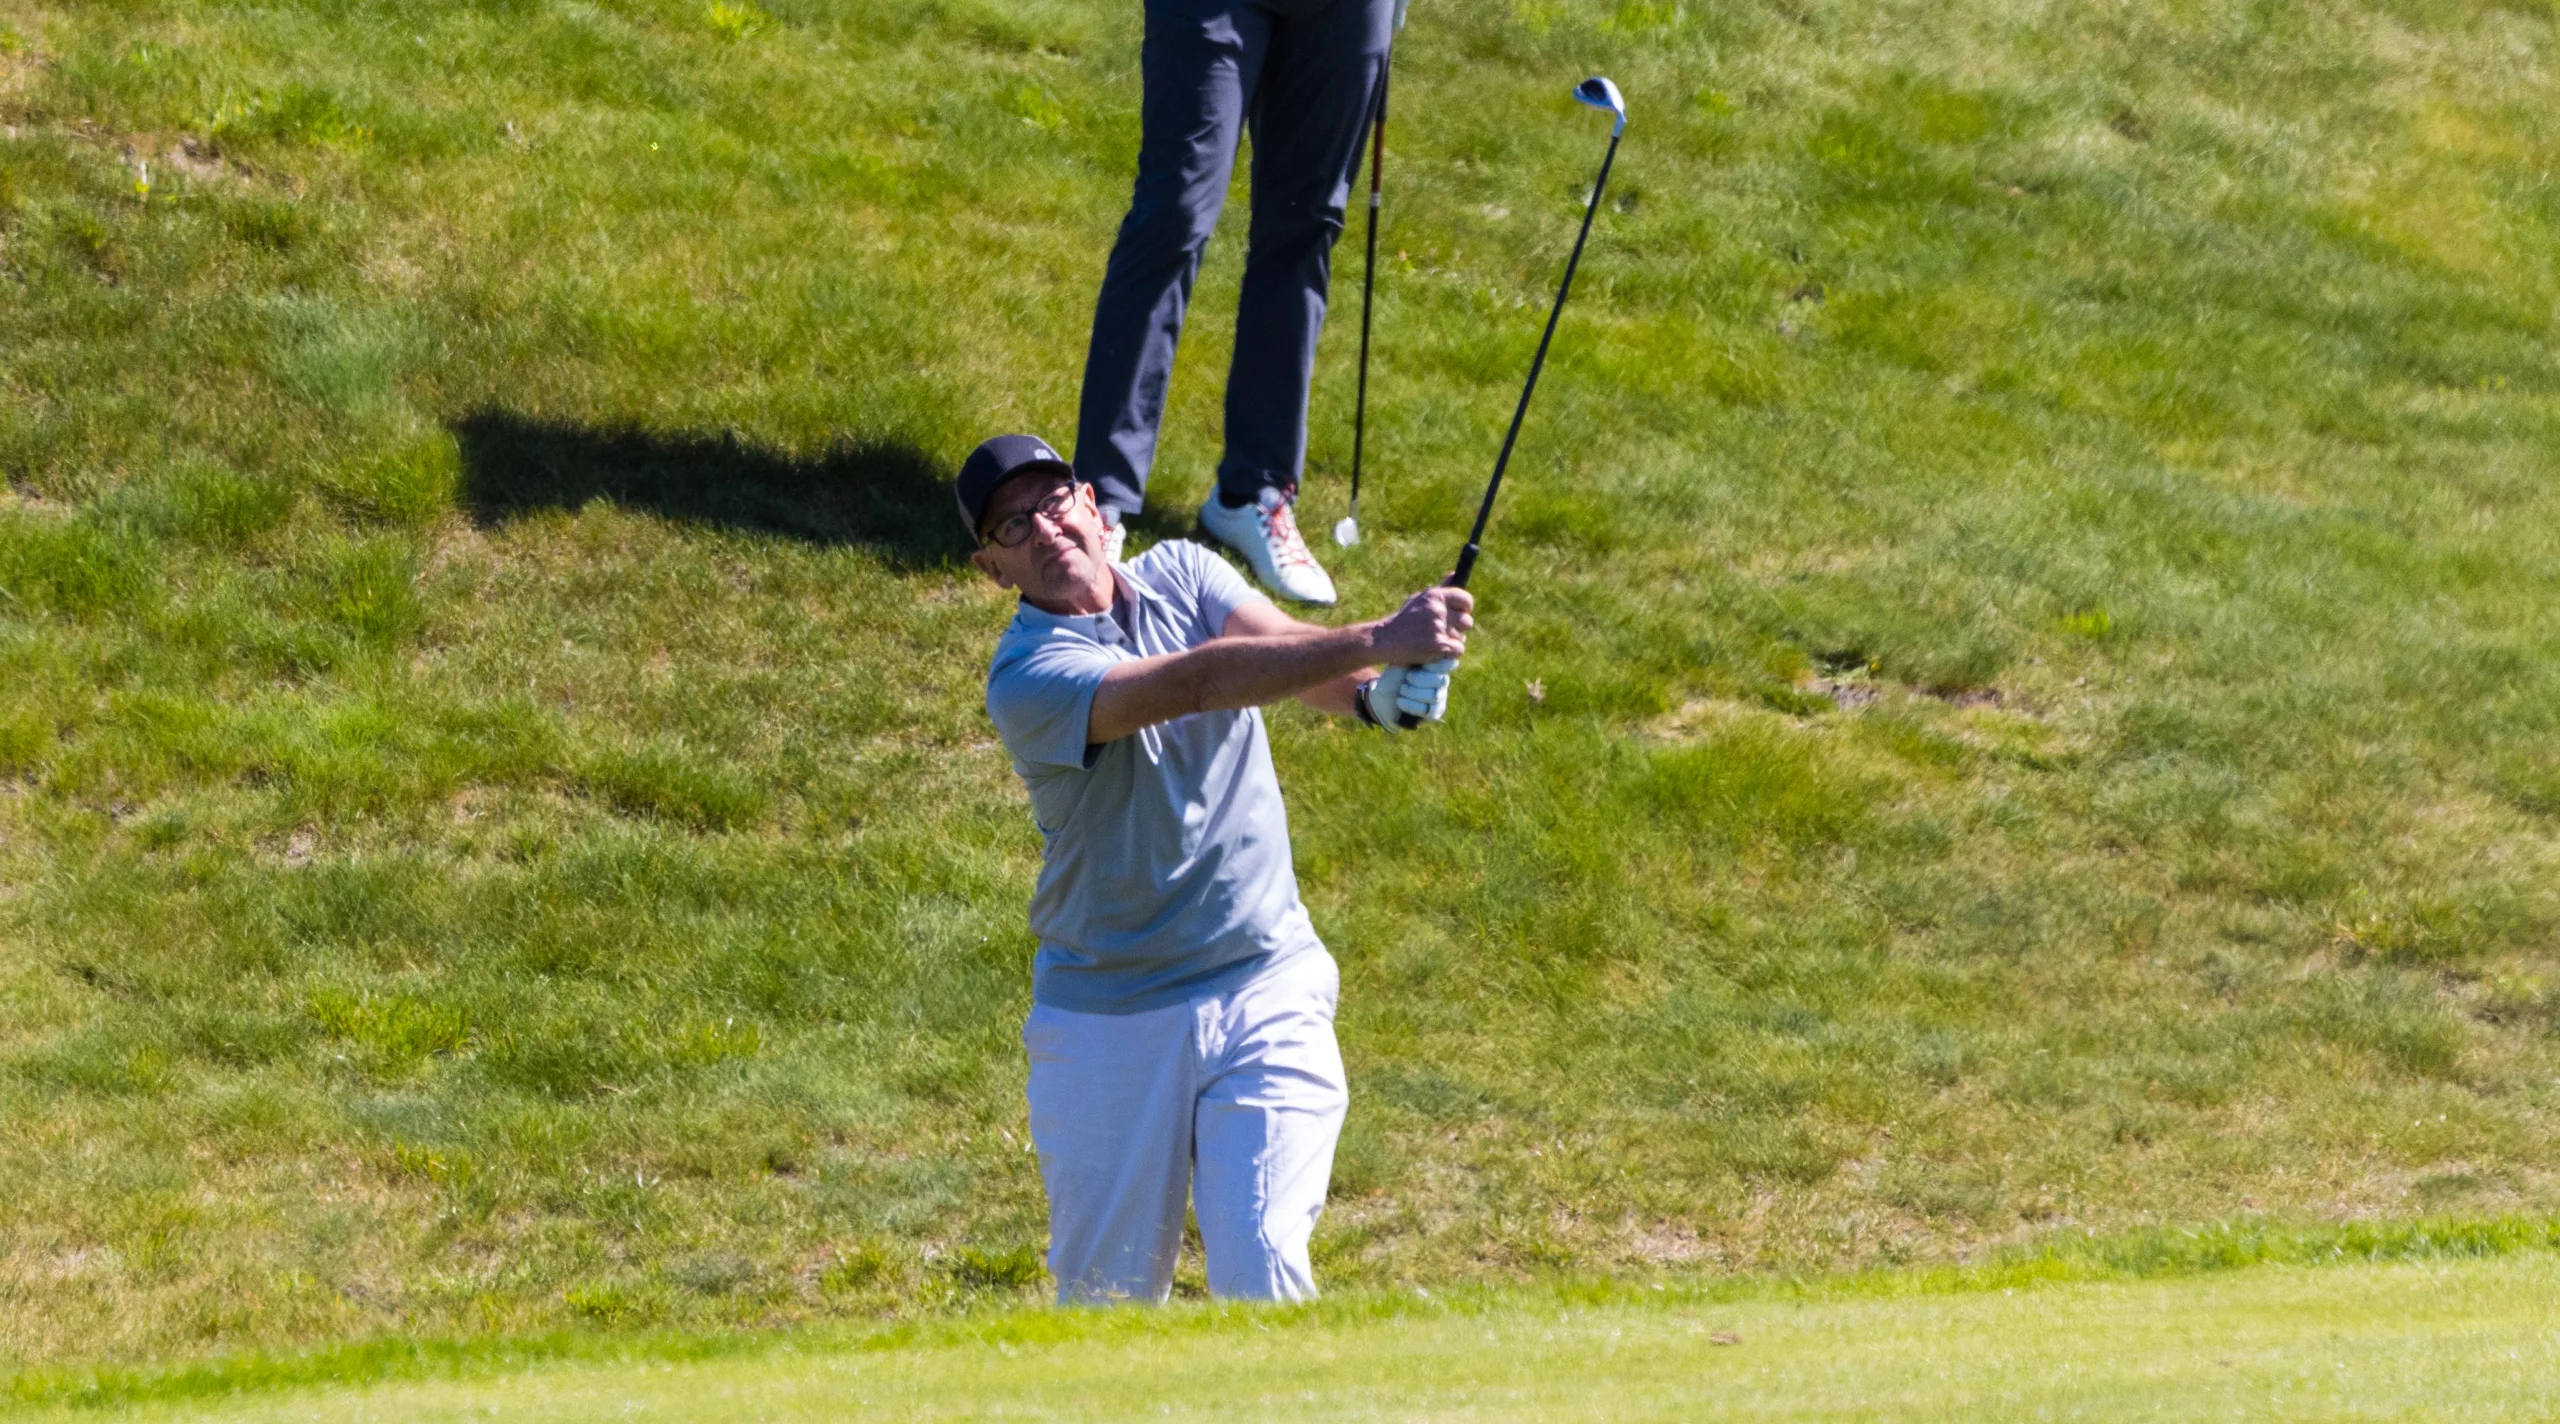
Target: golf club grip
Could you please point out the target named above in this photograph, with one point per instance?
(1457, 579)
(1378, 135)
(1368, 287)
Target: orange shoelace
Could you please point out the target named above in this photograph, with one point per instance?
(1280, 528)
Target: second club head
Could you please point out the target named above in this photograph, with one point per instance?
(1599, 93)
(1346, 531)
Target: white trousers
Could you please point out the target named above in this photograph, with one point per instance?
(1236, 1099)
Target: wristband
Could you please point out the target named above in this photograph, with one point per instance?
(1360, 704)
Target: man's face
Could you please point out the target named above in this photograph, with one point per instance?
(1060, 561)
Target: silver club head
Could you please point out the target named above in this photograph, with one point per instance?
(1599, 93)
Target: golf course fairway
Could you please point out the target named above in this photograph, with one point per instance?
(2473, 1340)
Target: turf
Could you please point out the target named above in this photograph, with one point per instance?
(2155, 1255)
(2443, 1341)
(2015, 696)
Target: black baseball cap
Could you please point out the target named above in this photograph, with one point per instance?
(995, 462)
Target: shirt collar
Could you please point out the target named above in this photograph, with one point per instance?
(1042, 620)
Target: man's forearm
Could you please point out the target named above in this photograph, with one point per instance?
(1335, 697)
(1257, 671)
(1229, 673)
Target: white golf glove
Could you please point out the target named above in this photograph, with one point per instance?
(1420, 692)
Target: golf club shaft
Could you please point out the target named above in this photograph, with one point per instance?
(1475, 537)
(1368, 286)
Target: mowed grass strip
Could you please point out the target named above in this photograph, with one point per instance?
(2016, 696)
(2140, 1256)
(2467, 1341)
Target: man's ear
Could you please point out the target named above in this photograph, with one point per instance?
(988, 564)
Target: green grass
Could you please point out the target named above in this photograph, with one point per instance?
(2155, 1255)
(2016, 693)
(2444, 1340)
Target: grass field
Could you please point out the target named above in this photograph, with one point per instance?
(2469, 1341)
(2016, 695)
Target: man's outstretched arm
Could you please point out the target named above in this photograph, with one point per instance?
(1260, 618)
(1266, 655)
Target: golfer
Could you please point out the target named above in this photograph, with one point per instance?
(1304, 76)
(1181, 1030)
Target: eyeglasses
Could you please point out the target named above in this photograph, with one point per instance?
(1016, 528)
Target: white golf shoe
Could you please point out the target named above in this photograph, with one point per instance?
(1115, 541)
(1266, 533)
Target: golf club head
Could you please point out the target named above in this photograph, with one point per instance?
(1346, 531)
(1599, 93)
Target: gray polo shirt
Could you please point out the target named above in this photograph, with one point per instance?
(1165, 871)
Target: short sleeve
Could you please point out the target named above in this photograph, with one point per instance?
(1217, 585)
(1042, 701)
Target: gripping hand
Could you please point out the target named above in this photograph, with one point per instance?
(1414, 695)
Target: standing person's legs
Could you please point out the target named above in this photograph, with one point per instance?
(1265, 1130)
(1199, 64)
(1111, 1105)
(1318, 87)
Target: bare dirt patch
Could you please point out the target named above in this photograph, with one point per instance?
(1846, 694)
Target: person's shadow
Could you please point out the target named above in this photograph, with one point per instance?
(885, 496)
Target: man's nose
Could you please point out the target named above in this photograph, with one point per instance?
(1054, 530)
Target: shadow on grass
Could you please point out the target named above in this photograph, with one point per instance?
(1156, 523)
(885, 496)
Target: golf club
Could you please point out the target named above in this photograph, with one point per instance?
(1599, 93)
(1346, 530)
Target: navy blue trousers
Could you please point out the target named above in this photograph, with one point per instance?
(1301, 75)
